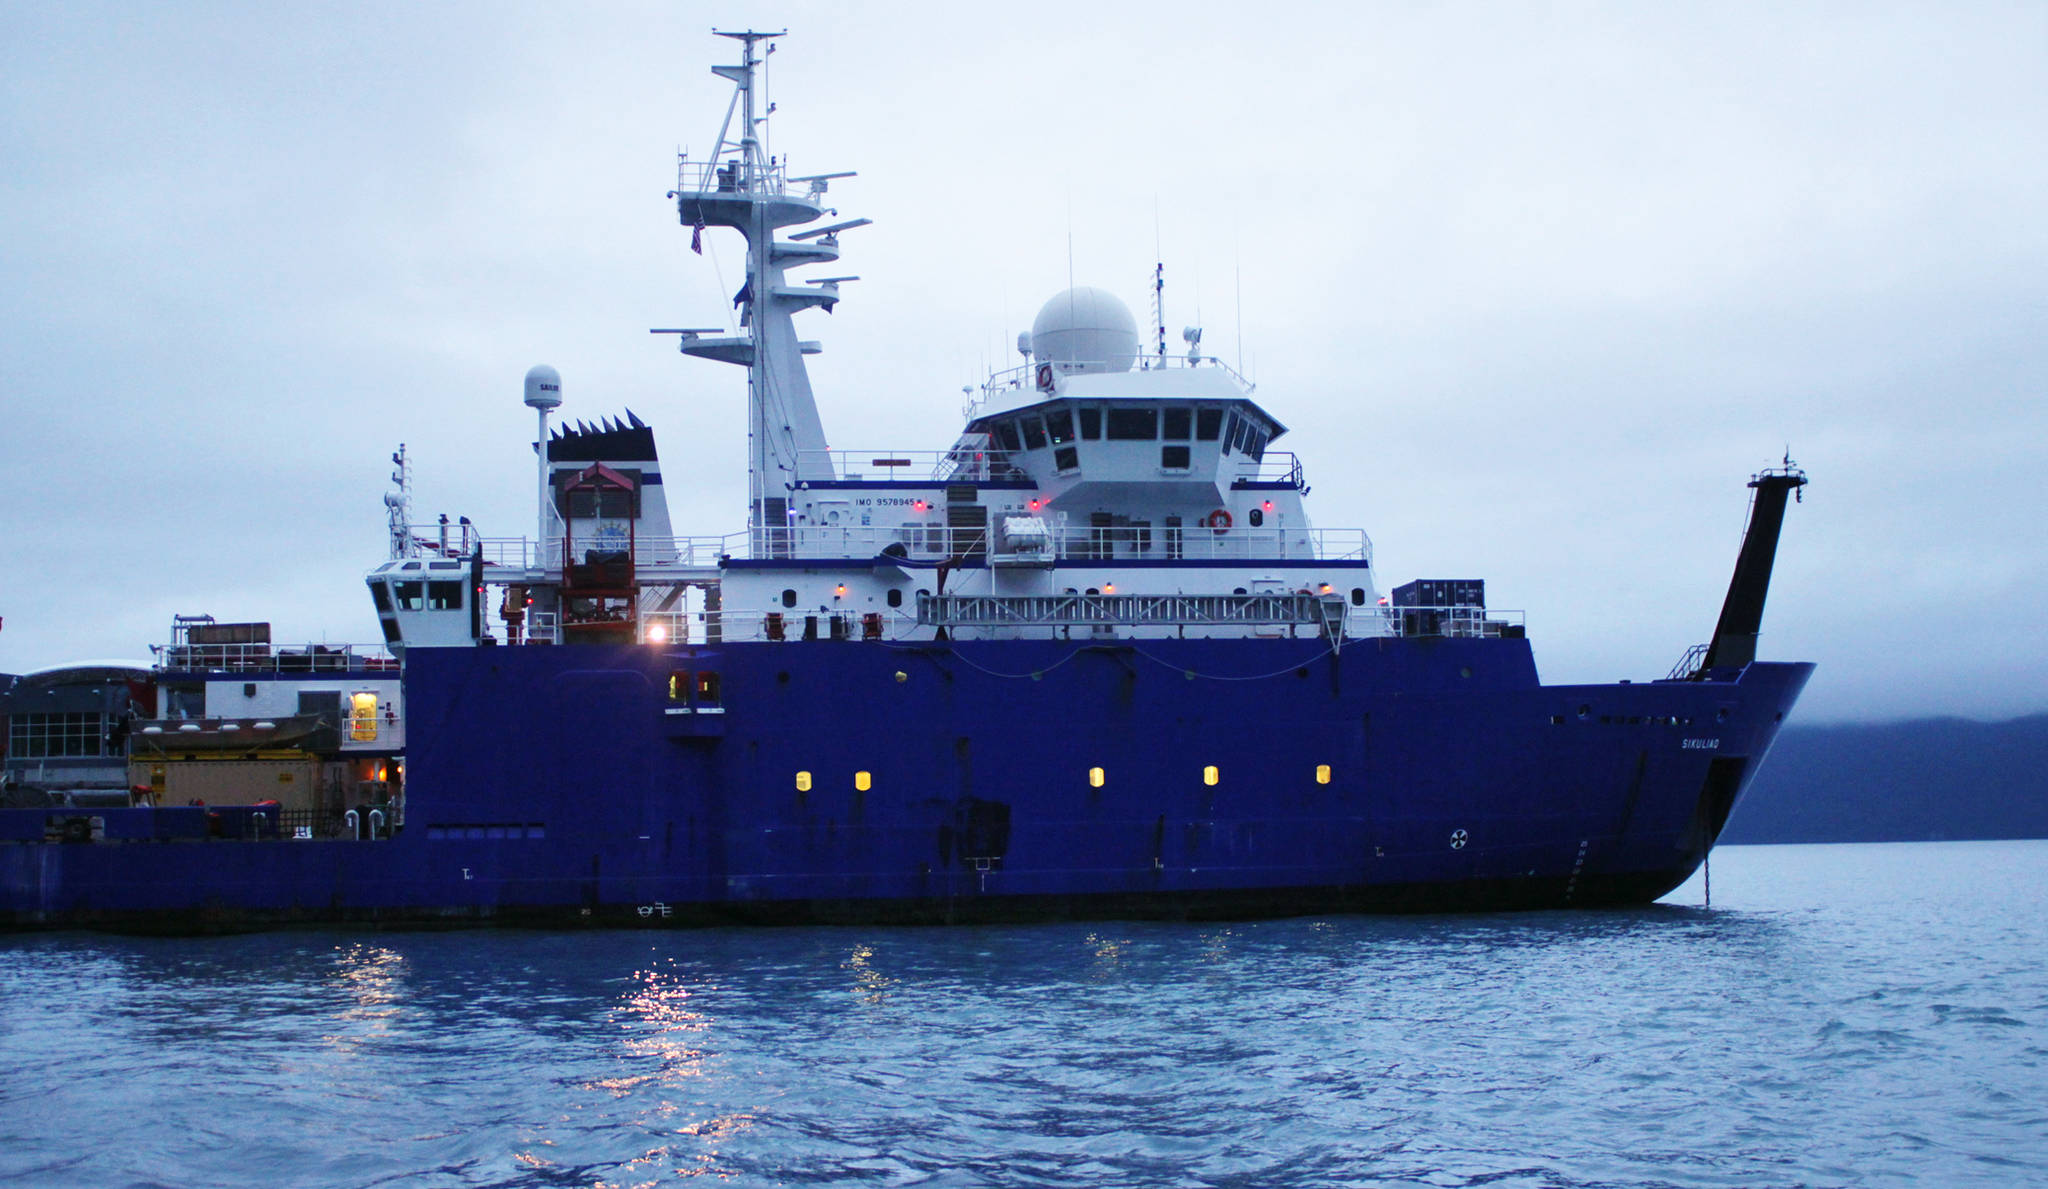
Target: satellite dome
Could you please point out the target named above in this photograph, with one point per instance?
(543, 387)
(1085, 330)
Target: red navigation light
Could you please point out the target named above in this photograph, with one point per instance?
(839, 591)
(1034, 505)
(918, 505)
(1269, 505)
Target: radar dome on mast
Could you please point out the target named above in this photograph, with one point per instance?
(1085, 330)
(543, 388)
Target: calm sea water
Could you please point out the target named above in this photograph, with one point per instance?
(1846, 1015)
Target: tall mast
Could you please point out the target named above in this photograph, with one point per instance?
(740, 188)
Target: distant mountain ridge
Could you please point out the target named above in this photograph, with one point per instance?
(1924, 780)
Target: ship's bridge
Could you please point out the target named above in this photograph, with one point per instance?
(1097, 426)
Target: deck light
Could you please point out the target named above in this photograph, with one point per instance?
(657, 634)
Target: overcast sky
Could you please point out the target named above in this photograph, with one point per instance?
(1535, 289)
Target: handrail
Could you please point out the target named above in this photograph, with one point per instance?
(937, 542)
(263, 658)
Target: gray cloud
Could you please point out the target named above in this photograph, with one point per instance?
(1536, 289)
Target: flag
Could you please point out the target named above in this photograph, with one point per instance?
(746, 294)
(697, 238)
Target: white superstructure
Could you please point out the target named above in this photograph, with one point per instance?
(1098, 488)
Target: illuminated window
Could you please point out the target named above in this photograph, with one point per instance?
(1322, 774)
(707, 687)
(678, 685)
(862, 781)
(1210, 775)
(803, 782)
(362, 716)
(1095, 778)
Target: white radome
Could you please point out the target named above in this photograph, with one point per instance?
(1085, 330)
(543, 387)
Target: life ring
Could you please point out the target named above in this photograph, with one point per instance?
(1045, 377)
(1218, 520)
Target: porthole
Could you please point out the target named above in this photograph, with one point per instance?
(1210, 775)
(803, 782)
(1322, 774)
(862, 781)
(1358, 596)
(895, 597)
(1255, 517)
(1095, 778)
(789, 598)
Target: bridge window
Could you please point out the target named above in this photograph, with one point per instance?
(1034, 434)
(1064, 458)
(1255, 444)
(1133, 425)
(444, 596)
(1208, 424)
(707, 687)
(1091, 422)
(412, 596)
(1006, 436)
(1174, 458)
(1059, 423)
(1174, 424)
(380, 594)
(1240, 429)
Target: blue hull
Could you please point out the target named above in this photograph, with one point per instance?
(565, 785)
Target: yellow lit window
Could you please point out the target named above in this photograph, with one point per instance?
(1210, 775)
(1095, 778)
(862, 781)
(362, 715)
(803, 782)
(1322, 774)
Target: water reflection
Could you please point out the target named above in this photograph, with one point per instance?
(663, 1063)
(371, 980)
(869, 984)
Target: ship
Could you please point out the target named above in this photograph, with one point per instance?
(1091, 659)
